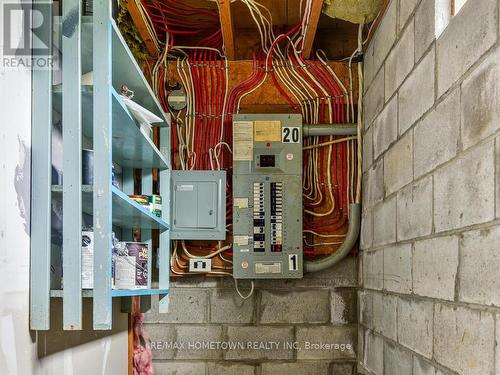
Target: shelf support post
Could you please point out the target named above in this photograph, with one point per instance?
(72, 164)
(41, 178)
(103, 137)
(164, 256)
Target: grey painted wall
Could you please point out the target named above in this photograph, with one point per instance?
(321, 308)
(21, 351)
(430, 301)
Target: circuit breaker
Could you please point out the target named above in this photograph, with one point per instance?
(267, 196)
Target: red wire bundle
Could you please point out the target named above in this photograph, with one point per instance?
(185, 21)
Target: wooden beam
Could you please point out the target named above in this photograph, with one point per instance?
(312, 26)
(227, 26)
(144, 32)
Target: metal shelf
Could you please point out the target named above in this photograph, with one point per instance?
(125, 68)
(95, 114)
(126, 213)
(89, 293)
(131, 147)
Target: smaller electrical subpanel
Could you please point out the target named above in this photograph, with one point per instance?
(267, 196)
(198, 205)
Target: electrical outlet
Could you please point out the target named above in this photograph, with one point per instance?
(200, 265)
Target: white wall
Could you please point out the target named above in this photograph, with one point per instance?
(19, 347)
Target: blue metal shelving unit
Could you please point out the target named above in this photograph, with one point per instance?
(98, 113)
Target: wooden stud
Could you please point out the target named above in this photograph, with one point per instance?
(144, 32)
(227, 26)
(312, 26)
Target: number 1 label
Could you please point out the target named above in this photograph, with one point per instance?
(293, 263)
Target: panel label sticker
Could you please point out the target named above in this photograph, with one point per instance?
(184, 187)
(290, 134)
(240, 240)
(243, 140)
(293, 262)
(267, 131)
(240, 202)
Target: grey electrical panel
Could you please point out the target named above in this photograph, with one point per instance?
(267, 196)
(198, 205)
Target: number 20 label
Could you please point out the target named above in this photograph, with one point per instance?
(290, 135)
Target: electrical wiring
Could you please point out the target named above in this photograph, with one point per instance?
(249, 293)
(193, 53)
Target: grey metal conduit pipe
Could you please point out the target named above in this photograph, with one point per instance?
(345, 248)
(329, 129)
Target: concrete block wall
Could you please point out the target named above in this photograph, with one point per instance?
(321, 308)
(430, 301)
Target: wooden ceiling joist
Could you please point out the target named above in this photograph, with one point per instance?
(312, 26)
(227, 26)
(143, 30)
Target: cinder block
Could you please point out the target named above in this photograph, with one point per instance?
(373, 185)
(253, 336)
(217, 368)
(397, 361)
(400, 61)
(479, 265)
(497, 351)
(366, 235)
(416, 95)
(385, 315)
(271, 368)
(341, 369)
(162, 337)
(398, 164)
(406, 8)
(374, 99)
(497, 176)
(343, 274)
(385, 128)
(435, 264)
(343, 306)
(481, 102)
(179, 368)
(340, 342)
(465, 40)
(464, 190)
(425, 22)
(415, 325)
(197, 340)
(226, 306)
(434, 144)
(385, 35)
(464, 339)
(304, 306)
(198, 281)
(368, 149)
(373, 271)
(384, 222)
(415, 210)
(421, 367)
(187, 305)
(368, 67)
(365, 302)
(373, 358)
(361, 353)
(397, 268)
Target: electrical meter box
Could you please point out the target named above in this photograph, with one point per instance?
(198, 205)
(267, 196)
